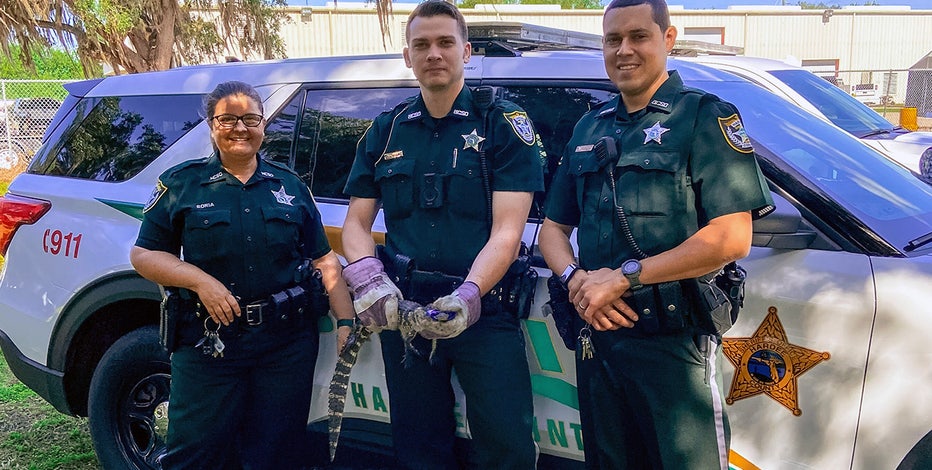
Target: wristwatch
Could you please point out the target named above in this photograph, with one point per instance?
(568, 273)
(631, 269)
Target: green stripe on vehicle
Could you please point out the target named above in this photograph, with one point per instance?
(129, 208)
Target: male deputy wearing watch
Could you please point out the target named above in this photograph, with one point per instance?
(661, 183)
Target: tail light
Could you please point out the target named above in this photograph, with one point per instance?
(16, 211)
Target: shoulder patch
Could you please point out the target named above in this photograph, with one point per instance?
(521, 125)
(157, 193)
(734, 133)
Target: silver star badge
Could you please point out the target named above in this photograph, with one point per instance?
(654, 132)
(282, 197)
(472, 140)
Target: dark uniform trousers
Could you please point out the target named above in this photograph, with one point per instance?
(660, 387)
(257, 390)
(490, 362)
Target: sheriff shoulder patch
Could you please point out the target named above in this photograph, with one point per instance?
(157, 193)
(734, 133)
(522, 126)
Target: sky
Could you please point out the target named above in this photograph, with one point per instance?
(721, 4)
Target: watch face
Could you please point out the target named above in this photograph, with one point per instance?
(630, 267)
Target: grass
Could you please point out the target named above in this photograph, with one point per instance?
(33, 434)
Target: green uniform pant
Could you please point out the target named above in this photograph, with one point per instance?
(491, 364)
(247, 409)
(652, 403)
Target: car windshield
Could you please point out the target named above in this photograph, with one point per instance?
(885, 196)
(839, 107)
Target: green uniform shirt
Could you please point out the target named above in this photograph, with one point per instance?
(427, 174)
(251, 236)
(683, 160)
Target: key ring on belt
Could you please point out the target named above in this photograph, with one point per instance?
(206, 328)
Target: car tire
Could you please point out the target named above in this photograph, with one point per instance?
(128, 402)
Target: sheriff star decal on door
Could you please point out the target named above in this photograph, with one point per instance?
(768, 363)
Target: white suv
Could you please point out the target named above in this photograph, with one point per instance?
(829, 359)
(818, 96)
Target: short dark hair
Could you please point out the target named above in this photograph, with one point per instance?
(659, 9)
(230, 88)
(438, 7)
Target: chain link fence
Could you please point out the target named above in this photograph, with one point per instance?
(26, 110)
(900, 95)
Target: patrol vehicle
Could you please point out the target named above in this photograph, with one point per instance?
(816, 95)
(827, 366)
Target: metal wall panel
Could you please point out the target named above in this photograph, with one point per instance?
(857, 38)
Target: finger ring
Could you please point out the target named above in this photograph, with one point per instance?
(583, 306)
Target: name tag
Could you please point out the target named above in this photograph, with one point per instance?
(393, 155)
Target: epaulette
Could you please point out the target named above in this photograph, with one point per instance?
(183, 166)
(281, 166)
(401, 105)
(605, 108)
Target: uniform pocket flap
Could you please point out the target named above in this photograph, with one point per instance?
(283, 213)
(582, 163)
(207, 219)
(652, 161)
(397, 167)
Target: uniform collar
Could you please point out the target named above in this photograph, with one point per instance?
(463, 108)
(215, 171)
(662, 101)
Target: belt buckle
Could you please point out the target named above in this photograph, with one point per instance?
(254, 314)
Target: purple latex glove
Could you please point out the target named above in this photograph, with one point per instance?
(465, 302)
(375, 296)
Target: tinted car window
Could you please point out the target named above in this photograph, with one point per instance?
(839, 107)
(113, 138)
(554, 111)
(331, 125)
(874, 189)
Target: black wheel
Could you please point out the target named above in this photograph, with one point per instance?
(128, 402)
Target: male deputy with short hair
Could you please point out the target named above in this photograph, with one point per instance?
(661, 183)
(422, 162)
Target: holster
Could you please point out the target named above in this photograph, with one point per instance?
(561, 310)
(317, 299)
(177, 305)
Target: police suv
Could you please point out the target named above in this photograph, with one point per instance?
(827, 366)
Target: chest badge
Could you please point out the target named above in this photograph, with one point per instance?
(654, 132)
(472, 140)
(768, 363)
(281, 197)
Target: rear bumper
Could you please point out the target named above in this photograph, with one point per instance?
(48, 383)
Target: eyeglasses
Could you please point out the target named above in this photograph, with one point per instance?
(228, 121)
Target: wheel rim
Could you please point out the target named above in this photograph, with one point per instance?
(144, 420)
(8, 158)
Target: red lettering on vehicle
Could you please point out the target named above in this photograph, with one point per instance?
(55, 242)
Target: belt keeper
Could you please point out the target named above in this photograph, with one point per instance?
(281, 302)
(298, 297)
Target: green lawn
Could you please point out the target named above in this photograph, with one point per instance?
(34, 436)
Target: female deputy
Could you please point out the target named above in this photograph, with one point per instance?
(246, 226)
